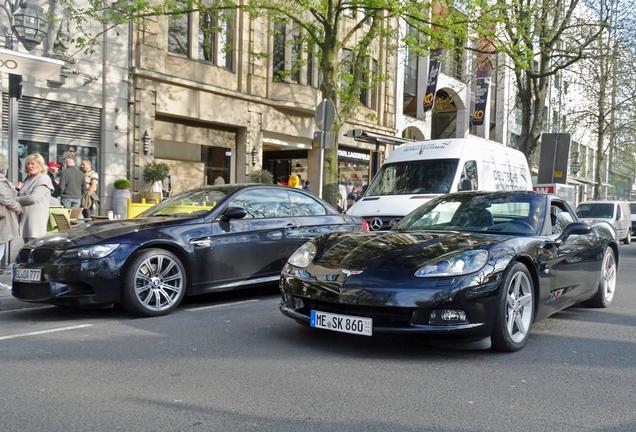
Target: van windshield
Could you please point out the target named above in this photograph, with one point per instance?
(430, 176)
(589, 210)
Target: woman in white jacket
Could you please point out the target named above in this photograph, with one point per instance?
(34, 197)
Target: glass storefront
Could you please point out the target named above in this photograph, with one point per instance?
(283, 164)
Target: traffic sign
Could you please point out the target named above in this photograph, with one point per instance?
(325, 114)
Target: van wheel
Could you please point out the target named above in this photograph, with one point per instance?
(628, 239)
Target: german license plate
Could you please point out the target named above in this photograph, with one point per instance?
(341, 323)
(27, 275)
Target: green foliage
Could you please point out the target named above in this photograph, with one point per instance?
(262, 176)
(156, 172)
(122, 183)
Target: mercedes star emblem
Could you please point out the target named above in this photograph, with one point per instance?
(376, 224)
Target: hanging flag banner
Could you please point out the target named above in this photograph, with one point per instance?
(482, 83)
(431, 84)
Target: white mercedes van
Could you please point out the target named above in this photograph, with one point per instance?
(416, 172)
(616, 213)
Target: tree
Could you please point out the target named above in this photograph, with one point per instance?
(540, 38)
(324, 27)
(606, 83)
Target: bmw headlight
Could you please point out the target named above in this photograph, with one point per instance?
(456, 265)
(303, 255)
(91, 252)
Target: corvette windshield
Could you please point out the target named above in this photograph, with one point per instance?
(434, 176)
(191, 203)
(504, 213)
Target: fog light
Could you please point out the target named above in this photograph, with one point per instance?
(297, 303)
(447, 316)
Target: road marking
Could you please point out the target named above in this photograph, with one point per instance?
(36, 333)
(28, 309)
(222, 305)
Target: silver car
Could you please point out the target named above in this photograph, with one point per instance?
(616, 213)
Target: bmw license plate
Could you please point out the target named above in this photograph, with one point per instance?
(27, 275)
(341, 323)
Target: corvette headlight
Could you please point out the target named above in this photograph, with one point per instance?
(303, 255)
(456, 265)
(90, 252)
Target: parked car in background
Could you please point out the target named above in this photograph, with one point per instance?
(469, 265)
(616, 213)
(632, 208)
(208, 239)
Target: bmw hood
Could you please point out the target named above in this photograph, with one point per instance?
(102, 231)
(394, 252)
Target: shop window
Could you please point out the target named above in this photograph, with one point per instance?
(302, 205)
(178, 34)
(216, 30)
(217, 164)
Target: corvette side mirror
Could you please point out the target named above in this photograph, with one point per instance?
(575, 228)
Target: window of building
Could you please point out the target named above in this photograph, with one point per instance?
(278, 55)
(178, 34)
(296, 57)
(410, 75)
(368, 91)
(216, 38)
(346, 67)
(310, 68)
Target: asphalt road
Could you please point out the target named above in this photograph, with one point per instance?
(234, 363)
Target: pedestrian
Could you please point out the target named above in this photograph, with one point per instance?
(10, 209)
(90, 198)
(54, 175)
(34, 198)
(72, 184)
(306, 186)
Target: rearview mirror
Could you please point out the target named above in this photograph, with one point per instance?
(233, 213)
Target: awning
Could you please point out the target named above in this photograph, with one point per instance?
(374, 137)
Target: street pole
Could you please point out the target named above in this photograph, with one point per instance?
(15, 83)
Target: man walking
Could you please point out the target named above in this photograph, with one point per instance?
(72, 184)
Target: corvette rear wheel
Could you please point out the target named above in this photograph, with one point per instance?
(607, 283)
(515, 310)
(154, 284)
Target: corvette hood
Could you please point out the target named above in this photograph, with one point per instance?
(395, 252)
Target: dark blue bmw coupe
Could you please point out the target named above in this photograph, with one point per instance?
(208, 239)
(471, 265)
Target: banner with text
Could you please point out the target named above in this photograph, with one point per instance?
(431, 84)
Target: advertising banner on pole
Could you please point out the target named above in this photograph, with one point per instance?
(481, 92)
(431, 83)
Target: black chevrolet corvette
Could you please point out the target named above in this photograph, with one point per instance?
(470, 265)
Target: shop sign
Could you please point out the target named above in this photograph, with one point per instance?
(17, 63)
(348, 154)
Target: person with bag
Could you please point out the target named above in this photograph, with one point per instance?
(34, 197)
(90, 198)
(10, 209)
(72, 185)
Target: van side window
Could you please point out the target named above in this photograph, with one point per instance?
(618, 212)
(468, 179)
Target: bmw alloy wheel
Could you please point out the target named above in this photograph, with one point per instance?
(158, 282)
(519, 306)
(608, 277)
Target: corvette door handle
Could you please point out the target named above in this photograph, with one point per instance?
(291, 226)
(204, 242)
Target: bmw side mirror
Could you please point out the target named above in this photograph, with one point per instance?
(233, 213)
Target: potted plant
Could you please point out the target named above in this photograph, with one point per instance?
(121, 194)
(155, 173)
(262, 176)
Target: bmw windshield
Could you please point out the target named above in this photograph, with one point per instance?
(517, 214)
(430, 176)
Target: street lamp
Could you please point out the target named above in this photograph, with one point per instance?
(254, 156)
(30, 24)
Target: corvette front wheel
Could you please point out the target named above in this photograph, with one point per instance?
(515, 310)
